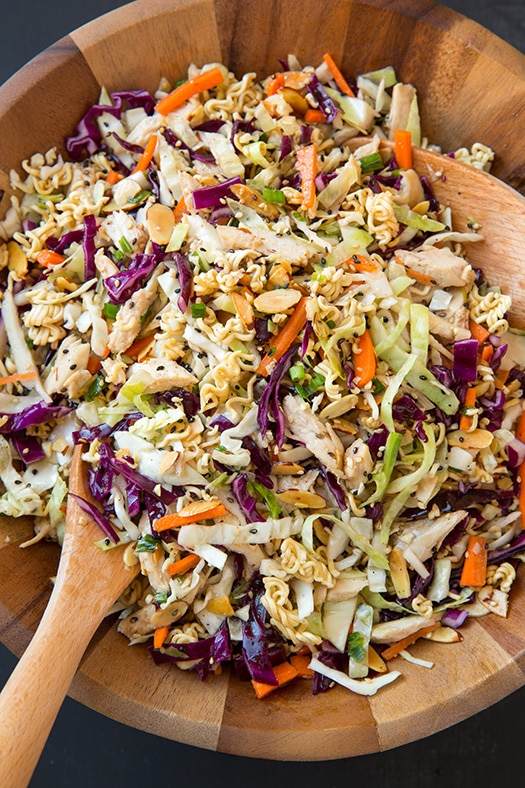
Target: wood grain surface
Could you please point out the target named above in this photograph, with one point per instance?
(472, 87)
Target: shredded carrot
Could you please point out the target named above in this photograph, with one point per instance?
(393, 650)
(361, 264)
(205, 81)
(420, 277)
(180, 209)
(500, 378)
(176, 520)
(280, 344)
(47, 257)
(284, 673)
(139, 345)
(307, 166)
(183, 565)
(365, 362)
(314, 116)
(244, 309)
(474, 571)
(339, 80)
(486, 353)
(300, 663)
(159, 636)
(107, 351)
(478, 332)
(93, 364)
(275, 83)
(16, 377)
(520, 429)
(114, 177)
(147, 156)
(403, 148)
(465, 422)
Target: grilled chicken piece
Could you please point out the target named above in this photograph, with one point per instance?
(120, 224)
(69, 374)
(139, 624)
(151, 567)
(423, 536)
(128, 323)
(318, 437)
(443, 266)
(392, 631)
(403, 96)
(266, 242)
(358, 463)
(165, 374)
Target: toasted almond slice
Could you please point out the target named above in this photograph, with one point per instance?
(338, 407)
(160, 222)
(342, 425)
(297, 102)
(280, 274)
(254, 199)
(444, 635)
(287, 469)
(399, 573)
(197, 507)
(168, 460)
(173, 612)
(244, 309)
(477, 439)
(303, 499)
(273, 301)
(17, 261)
(375, 662)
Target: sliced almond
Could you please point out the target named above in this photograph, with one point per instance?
(169, 458)
(17, 261)
(254, 199)
(494, 599)
(273, 301)
(302, 499)
(198, 507)
(444, 635)
(280, 274)
(160, 222)
(173, 612)
(244, 309)
(339, 406)
(342, 425)
(297, 102)
(375, 662)
(287, 469)
(399, 573)
(477, 439)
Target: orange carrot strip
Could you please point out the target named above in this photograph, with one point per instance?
(301, 663)
(244, 309)
(478, 332)
(205, 81)
(314, 116)
(180, 209)
(16, 377)
(500, 378)
(307, 166)
(159, 636)
(393, 650)
(474, 571)
(520, 429)
(275, 83)
(486, 353)
(176, 520)
(284, 673)
(47, 257)
(280, 344)
(360, 263)
(93, 364)
(147, 156)
(139, 345)
(420, 277)
(465, 422)
(403, 148)
(365, 362)
(183, 565)
(113, 177)
(339, 80)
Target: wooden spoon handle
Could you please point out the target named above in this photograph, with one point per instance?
(33, 695)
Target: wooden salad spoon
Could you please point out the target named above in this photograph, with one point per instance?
(88, 582)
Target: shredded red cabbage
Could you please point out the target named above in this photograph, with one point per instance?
(246, 501)
(255, 644)
(102, 522)
(88, 247)
(185, 274)
(59, 246)
(210, 196)
(454, 618)
(269, 401)
(466, 360)
(27, 447)
(327, 106)
(37, 413)
(121, 286)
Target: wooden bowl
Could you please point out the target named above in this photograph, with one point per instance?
(471, 86)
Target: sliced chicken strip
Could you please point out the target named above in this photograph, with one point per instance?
(318, 437)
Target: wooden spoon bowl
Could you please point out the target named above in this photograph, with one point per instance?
(470, 84)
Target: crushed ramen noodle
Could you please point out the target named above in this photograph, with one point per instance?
(301, 408)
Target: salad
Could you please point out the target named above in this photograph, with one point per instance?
(301, 407)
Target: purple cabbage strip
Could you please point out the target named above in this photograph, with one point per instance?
(375, 512)
(121, 286)
(145, 484)
(34, 414)
(246, 501)
(222, 423)
(213, 125)
(429, 194)
(308, 331)
(88, 247)
(102, 431)
(60, 245)
(27, 447)
(155, 508)
(454, 618)
(88, 137)
(210, 196)
(262, 332)
(327, 106)
(334, 487)
(255, 644)
(515, 547)
(269, 401)
(102, 522)
(129, 146)
(185, 274)
(101, 476)
(258, 456)
(190, 401)
(377, 441)
(306, 136)
(286, 146)
(133, 498)
(407, 409)
(466, 360)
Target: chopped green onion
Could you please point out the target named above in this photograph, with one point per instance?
(111, 310)
(125, 245)
(331, 324)
(267, 496)
(161, 597)
(98, 385)
(118, 255)
(140, 197)
(355, 646)
(198, 310)
(297, 372)
(273, 195)
(147, 544)
(371, 163)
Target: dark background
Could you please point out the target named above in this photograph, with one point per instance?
(87, 749)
